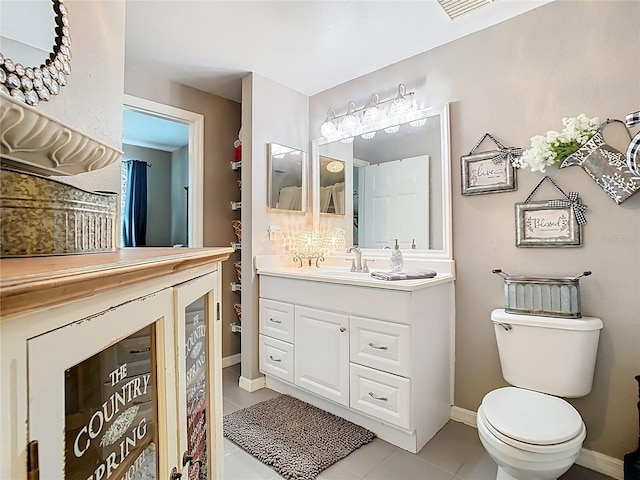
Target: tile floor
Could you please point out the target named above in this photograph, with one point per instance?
(455, 453)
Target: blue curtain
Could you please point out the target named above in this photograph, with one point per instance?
(135, 208)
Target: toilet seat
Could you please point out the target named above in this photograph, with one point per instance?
(531, 421)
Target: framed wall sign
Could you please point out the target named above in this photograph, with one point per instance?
(482, 174)
(489, 172)
(541, 225)
(550, 223)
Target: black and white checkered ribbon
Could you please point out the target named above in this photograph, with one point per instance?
(633, 151)
(510, 153)
(573, 202)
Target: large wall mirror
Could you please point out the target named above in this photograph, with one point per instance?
(287, 178)
(35, 57)
(397, 183)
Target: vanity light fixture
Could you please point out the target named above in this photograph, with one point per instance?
(369, 118)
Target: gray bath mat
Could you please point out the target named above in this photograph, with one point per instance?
(297, 439)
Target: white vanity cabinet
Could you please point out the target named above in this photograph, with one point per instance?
(121, 352)
(380, 357)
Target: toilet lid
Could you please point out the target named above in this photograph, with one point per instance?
(531, 417)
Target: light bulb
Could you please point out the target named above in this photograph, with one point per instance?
(347, 140)
(350, 123)
(372, 114)
(418, 123)
(335, 166)
(328, 128)
(400, 105)
(368, 135)
(393, 129)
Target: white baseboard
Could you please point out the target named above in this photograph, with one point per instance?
(468, 417)
(231, 360)
(601, 463)
(251, 385)
(598, 462)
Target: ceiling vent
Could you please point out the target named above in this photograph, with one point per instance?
(455, 8)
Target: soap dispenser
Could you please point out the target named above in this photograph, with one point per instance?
(396, 258)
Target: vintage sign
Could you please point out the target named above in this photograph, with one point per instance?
(551, 223)
(196, 388)
(110, 413)
(541, 225)
(489, 172)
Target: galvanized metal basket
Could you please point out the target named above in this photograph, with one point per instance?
(543, 296)
(42, 216)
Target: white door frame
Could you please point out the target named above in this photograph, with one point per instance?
(195, 121)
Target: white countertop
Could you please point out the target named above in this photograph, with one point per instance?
(345, 277)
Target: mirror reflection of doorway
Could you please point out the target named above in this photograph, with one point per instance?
(162, 146)
(171, 142)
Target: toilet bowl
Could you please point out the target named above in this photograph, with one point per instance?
(530, 435)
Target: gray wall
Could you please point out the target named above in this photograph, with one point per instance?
(221, 126)
(179, 180)
(515, 80)
(270, 113)
(92, 99)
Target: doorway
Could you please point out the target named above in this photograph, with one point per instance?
(147, 126)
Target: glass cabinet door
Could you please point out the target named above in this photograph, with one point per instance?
(200, 386)
(111, 411)
(97, 381)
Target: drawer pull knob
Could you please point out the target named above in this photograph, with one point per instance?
(373, 395)
(272, 358)
(378, 347)
(274, 321)
(343, 329)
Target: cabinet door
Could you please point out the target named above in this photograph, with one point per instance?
(101, 382)
(322, 353)
(198, 333)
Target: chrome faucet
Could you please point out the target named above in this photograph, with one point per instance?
(358, 253)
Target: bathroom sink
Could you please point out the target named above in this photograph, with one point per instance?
(339, 273)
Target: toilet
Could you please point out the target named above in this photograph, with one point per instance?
(528, 429)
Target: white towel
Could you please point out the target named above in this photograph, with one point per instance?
(410, 275)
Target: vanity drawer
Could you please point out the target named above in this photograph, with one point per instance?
(276, 319)
(381, 395)
(276, 358)
(382, 345)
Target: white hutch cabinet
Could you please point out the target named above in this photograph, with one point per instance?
(111, 365)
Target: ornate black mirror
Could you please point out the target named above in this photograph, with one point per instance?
(35, 57)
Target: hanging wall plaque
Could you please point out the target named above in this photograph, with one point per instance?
(550, 223)
(607, 166)
(489, 172)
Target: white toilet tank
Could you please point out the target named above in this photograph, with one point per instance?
(546, 354)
